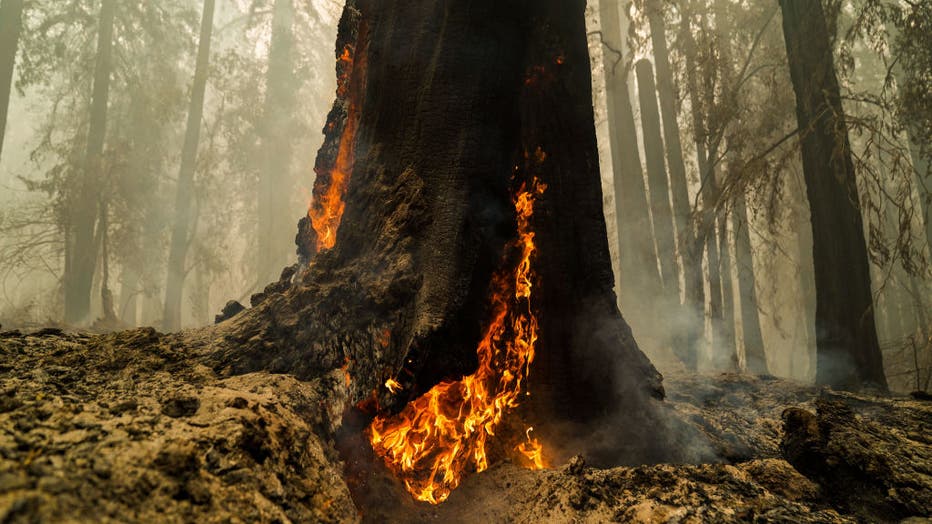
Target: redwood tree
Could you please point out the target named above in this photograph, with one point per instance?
(181, 230)
(458, 103)
(11, 24)
(638, 275)
(848, 353)
(81, 250)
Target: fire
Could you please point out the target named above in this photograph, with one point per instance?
(393, 386)
(326, 211)
(532, 450)
(430, 444)
(346, 373)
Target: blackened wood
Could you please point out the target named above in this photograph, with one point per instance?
(456, 96)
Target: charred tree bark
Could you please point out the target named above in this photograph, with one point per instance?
(661, 209)
(848, 353)
(755, 358)
(11, 24)
(639, 276)
(451, 97)
(276, 133)
(181, 231)
(79, 274)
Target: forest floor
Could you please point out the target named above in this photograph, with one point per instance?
(129, 427)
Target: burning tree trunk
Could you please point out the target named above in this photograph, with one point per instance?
(458, 206)
(848, 352)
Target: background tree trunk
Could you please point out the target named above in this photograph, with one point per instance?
(848, 353)
(181, 231)
(639, 275)
(83, 252)
(707, 236)
(11, 23)
(690, 254)
(661, 209)
(444, 119)
(277, 133)
(725, 353)
(755, 358)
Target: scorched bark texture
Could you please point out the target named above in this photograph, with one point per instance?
(455, 98)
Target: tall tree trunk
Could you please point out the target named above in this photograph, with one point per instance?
(807, 305)
(639, 275)
(79, 277)
(661, 209)
(129, 296)
(755, 358)
(848, 352)
(725, 353)
(181, 233)
(707, 231)
(690, 251)
(453, 97)
(276, 133)
(106, 294)
(11, 23)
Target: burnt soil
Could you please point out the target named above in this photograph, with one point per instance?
(130, 427)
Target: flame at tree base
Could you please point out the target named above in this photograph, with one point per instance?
(432, 442)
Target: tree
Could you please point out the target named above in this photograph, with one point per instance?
(182, 224)
(11, 23)
(82, 248)
(848, 352)
(661, 209)
(689, 250)
(755, 358)
(709, 190)
(638, 275)
(438, 148)
(276, 133)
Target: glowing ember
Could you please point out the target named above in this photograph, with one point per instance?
(326, 211)
(430, 444)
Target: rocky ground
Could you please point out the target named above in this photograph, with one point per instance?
(128, 427)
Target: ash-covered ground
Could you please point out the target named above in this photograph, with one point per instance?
(130, 427)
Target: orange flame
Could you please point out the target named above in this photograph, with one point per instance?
(346, 373)
(532, 450)
(436, 437)
(393, 386)
(326, 212)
